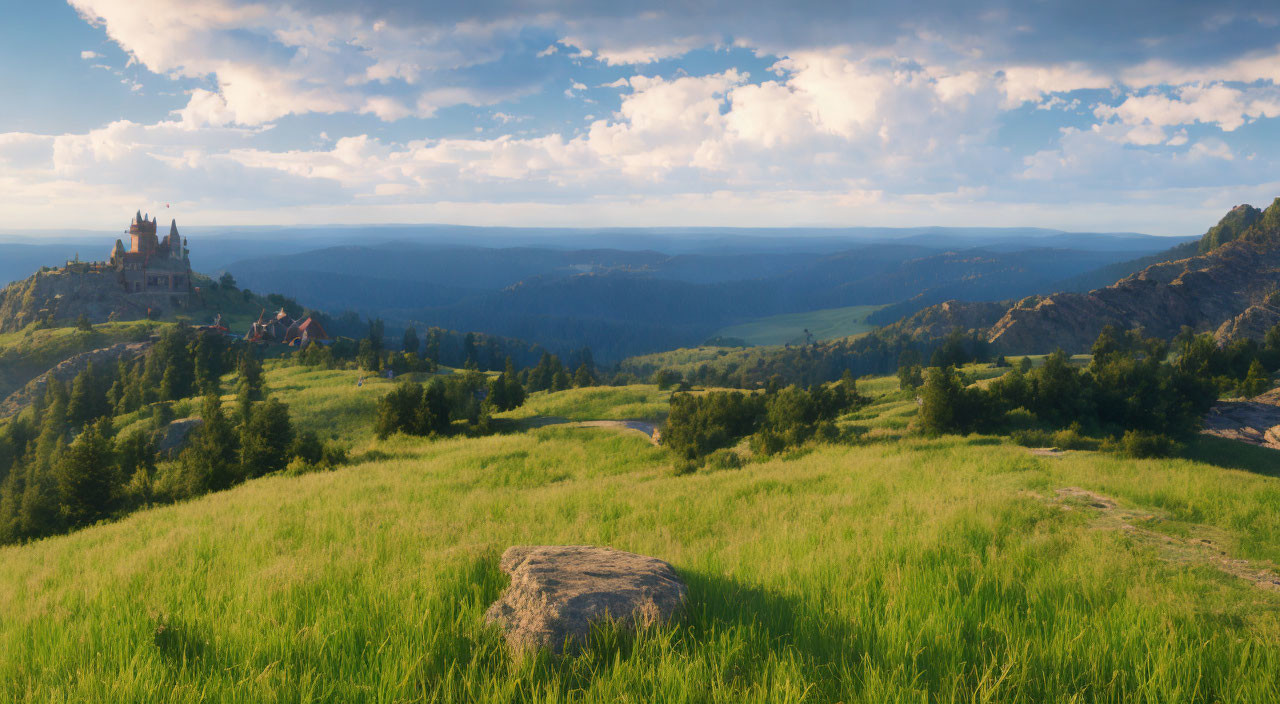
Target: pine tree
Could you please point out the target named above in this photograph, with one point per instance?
(941, 401)
(432, 350)
(38, 513)
(249, 388)
(398, 411)
(498, 392)
(410, 342)
(53, 426)
(561, 380)
(368, 356)
(210, 462)
(583, 377)
(1256, 382)
(469, 351)
(87, 477)
(209, 353)
(87, 402)
(910, 377)
(266, 439)
(377, 335)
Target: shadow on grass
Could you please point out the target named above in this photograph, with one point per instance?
(741, 627)
(1233, 454)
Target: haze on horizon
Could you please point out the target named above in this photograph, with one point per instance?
(1141, 116)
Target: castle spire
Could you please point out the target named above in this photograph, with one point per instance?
(173, 228)
(138, 217)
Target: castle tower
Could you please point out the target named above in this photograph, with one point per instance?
(174, 240)
(142, 233)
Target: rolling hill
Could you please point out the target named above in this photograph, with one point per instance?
(835, 573)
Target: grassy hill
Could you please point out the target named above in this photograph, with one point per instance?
(824, 324)
(896, 568)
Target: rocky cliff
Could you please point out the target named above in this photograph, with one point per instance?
(1227, 290)
(61, 296)
(942, 319)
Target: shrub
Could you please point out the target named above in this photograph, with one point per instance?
(1073, 439)
(1139, 444)
(724, 459)
(1033, 437)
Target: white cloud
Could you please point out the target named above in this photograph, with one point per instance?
(87, 55)
(888, 108)
(1024, 84)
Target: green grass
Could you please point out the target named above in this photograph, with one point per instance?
(27, 353)
(913, 570)
(638, 402)
(826, 324)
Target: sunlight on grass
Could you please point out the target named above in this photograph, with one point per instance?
(919, 570)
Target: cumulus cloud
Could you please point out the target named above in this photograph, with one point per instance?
(87, 55)
(882, 108)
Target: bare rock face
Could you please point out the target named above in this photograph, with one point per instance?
(1255, 421)
(67, 370)
(1252, 324)
(176, 436)
(1200, 292)
(558, 591)
(942, 319)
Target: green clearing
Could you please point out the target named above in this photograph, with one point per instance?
(897, 569)
(827, 324)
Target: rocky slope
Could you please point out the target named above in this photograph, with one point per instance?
(942, 319)
(60, 297)
(67, 370)
(1229, 288)
(1207, 292)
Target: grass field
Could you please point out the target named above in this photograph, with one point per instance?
(897, 569)
(827, 324)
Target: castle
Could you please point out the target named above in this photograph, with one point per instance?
(152, 265)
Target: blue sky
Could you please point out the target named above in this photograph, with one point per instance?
(1121, 115)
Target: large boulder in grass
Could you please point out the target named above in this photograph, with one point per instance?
(558, 591)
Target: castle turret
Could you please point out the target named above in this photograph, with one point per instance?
(117, 253)
(174, 241)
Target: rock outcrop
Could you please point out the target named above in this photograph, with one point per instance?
(558, 591)
(1255, 421)
(941, 320)
(1252, 324)
(176, 436)
(67, 370)
(62, 296)
(1225, 290)
(1201, 292)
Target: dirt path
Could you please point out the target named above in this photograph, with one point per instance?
(648, 428)
(1192, 550)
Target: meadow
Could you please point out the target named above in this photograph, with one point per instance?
(826, 324)
(895, 568)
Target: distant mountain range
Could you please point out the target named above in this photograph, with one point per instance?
(622, 302)
(629, 291)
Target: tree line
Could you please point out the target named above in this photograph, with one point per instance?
(699, 425)
(1136, 390)
(89, 450)
(879, 352)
